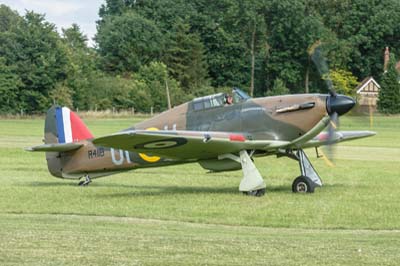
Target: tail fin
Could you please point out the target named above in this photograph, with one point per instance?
(62, 129)
(64, 126)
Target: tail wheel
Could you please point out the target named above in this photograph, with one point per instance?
(302, 184)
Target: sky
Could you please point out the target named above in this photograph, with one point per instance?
(63, 13)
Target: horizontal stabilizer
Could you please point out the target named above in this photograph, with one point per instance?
(55, 147)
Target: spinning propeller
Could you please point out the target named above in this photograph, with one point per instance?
(336, 104)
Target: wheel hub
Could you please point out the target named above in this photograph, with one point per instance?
(301, 187)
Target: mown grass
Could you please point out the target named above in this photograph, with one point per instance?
(184, 215)
(94, 240)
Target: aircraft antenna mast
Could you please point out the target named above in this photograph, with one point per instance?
(168, 97)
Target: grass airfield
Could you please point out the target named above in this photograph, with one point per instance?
(182, 215)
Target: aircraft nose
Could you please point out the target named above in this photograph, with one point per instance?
(339, 104)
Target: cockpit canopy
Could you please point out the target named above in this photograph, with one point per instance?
(218, 100)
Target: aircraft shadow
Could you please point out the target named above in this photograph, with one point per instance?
(153, 190)
(145, 190)
(49, 184)
(74, 183)
(170, 190)
(141, 191)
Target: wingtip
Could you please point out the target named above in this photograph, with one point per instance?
(370, 133)
(349, 135)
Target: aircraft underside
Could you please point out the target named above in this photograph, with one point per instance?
(252, 182)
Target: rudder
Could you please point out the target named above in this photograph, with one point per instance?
(62, 126)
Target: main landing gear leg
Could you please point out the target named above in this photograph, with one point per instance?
(85, 182)
(309, 178)
(252, 183)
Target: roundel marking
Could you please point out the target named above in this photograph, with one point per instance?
(162, 144)
(147, 158)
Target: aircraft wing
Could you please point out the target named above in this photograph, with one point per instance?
(339, 136)
(185, 144)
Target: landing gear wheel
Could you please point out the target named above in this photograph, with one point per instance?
(85, 182)
(255, 193)
(302, 185)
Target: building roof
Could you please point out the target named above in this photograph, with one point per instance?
(365, 82)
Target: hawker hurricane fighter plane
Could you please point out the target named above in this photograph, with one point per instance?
(219, 133)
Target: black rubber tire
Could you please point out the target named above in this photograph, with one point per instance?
(256, 193)
(84, 183)
(302, 185)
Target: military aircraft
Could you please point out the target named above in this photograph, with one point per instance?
(217, 133)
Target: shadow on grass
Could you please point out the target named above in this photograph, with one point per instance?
(154, 190)
(74, 183)
(49, 184)
(141, 191)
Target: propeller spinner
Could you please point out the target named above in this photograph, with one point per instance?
(339, 104)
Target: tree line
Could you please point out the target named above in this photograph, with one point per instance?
(192, 48)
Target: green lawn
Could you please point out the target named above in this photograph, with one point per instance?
(184, 215)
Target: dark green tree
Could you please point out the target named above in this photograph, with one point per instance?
(9, 19)
(226, 54)
(279, 88)
(185, 58)
(42, 63)
(154, 77)
(164, 13)
(62, 95)
(81, 67)
(127, 42)
(108, 92)
(389, 94)
(363, 29)
(9, 89)
(295, 27)
(74, 37)
(247, 18)
(33, 50)
(228, 58)
(10, 82)
(115, 7)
